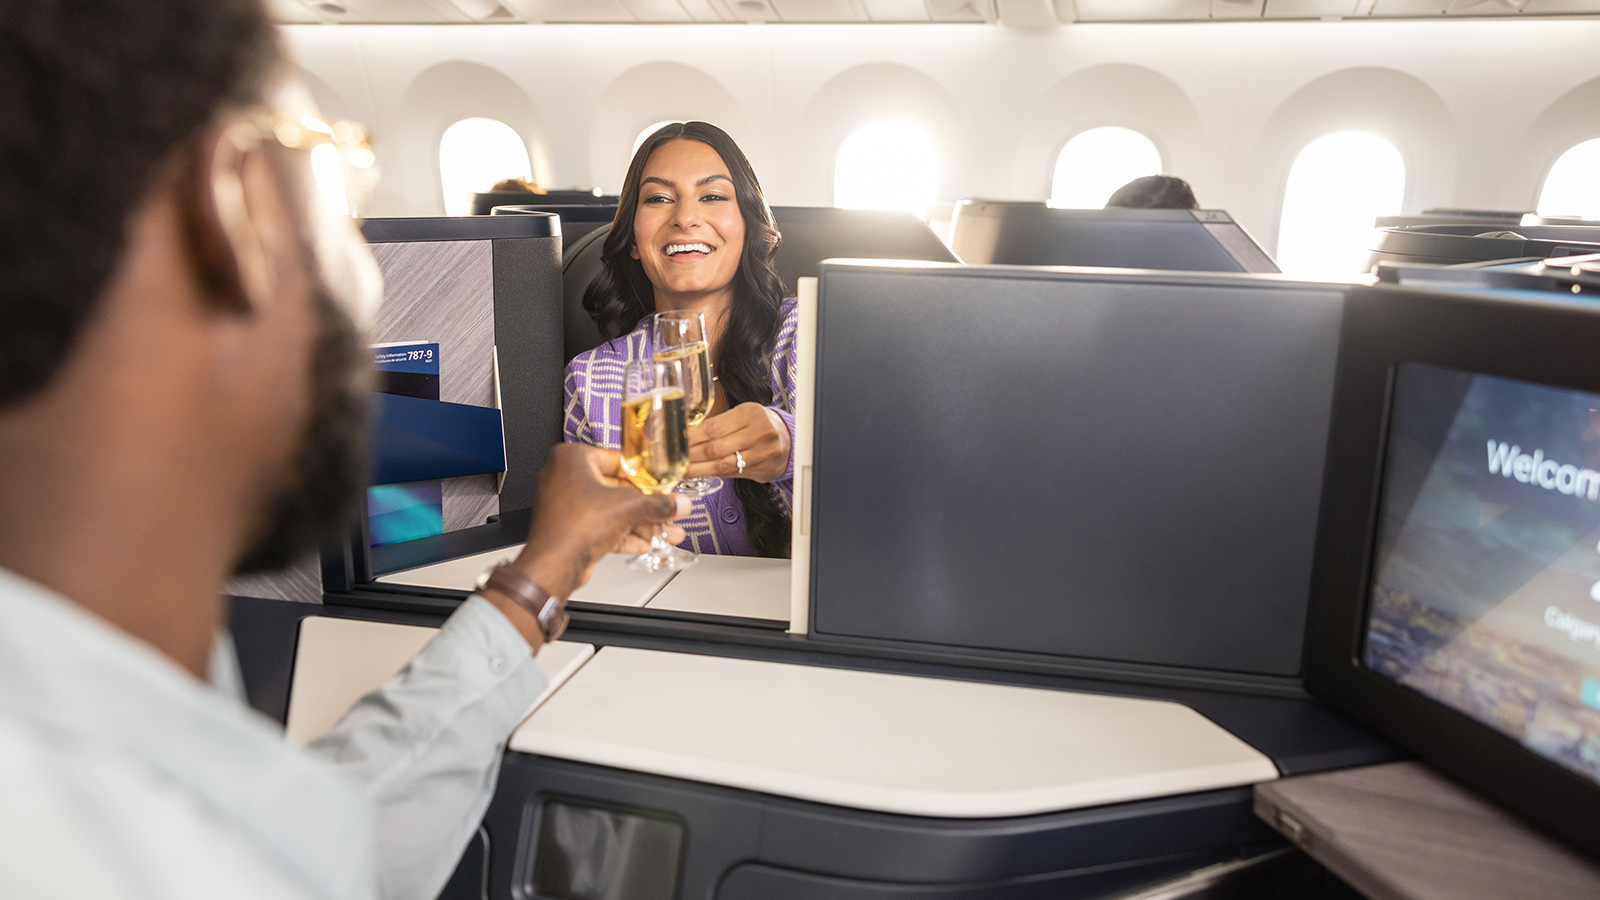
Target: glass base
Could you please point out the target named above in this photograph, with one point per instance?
(663, 557)
(697, 488)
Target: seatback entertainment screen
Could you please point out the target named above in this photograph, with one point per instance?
(1486, 584)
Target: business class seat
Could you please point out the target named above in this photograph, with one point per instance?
(1029, 233)
(810, 235)
(483, 202)
(577, 219)
(580, 264)
(1466, 245)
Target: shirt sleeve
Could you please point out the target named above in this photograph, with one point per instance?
(575, 426)
(426, 747)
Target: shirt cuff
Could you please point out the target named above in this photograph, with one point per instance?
(489, 652)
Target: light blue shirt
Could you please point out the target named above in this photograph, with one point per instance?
(122, 775)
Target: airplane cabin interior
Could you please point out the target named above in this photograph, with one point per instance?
(1133, 553)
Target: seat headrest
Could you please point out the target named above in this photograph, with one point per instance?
(580, 264)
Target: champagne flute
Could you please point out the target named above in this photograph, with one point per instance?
(681, 335)
(655, 446)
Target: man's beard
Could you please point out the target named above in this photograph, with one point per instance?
(320, 500)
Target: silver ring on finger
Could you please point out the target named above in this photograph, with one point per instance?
(738, 459)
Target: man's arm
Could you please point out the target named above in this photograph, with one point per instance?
(427, 745)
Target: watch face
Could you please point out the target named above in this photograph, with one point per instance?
(556, 626)
(553, 618)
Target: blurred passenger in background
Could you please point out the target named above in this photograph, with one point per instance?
(516, 185)
(1154, 192)
(693, 232)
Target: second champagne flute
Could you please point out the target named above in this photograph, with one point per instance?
(681, 335)
(655, 446)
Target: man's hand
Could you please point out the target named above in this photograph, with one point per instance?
(583, 511)
(749, 430)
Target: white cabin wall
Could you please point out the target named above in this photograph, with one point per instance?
(1479, 109)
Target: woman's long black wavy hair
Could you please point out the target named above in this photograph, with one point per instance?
(621, 296)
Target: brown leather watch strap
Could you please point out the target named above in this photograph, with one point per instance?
(550, 612)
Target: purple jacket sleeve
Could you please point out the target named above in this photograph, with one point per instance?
(575, 423)
(785, 375)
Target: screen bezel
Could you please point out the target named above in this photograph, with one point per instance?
(1549, 343)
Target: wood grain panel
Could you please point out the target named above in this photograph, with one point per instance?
(443, 292)
(301, 582)
(1402, 831)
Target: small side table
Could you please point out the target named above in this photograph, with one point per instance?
(1402, 831)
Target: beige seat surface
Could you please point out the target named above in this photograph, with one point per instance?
(613, 582)
(339, 661)
(716, 585)
(742, 586)
(894, 743)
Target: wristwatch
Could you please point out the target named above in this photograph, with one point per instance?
(550, 612)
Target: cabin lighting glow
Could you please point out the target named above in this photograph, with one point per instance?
(473, 155)
(887, 165)
(1337, 186)
(329, 173)
(1573, 186)
(1096, 162)
(639, 141)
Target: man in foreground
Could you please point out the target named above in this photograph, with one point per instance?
(182, 397)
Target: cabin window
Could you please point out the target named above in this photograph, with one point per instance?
(1337, 186)
(887, 165)
(473, 155)
(639, 141)
(1573, 186)
(1096, 162)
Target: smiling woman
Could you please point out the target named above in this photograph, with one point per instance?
(693, 233)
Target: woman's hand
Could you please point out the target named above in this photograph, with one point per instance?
(749, 430)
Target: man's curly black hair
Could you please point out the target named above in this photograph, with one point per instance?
(95, 96)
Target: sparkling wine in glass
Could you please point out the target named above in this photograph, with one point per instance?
(655, 446)
(679, 335)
